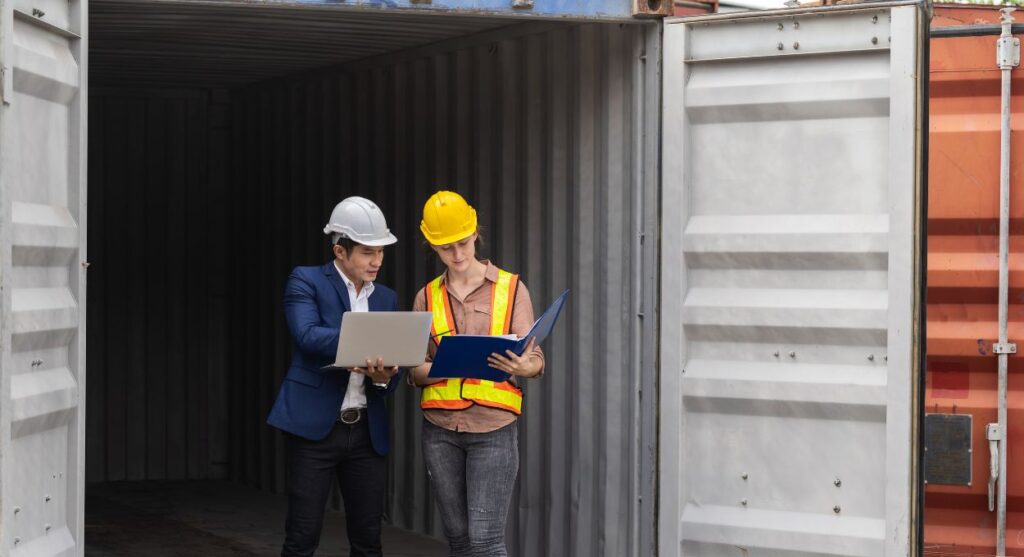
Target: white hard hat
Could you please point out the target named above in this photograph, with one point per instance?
(361, 221)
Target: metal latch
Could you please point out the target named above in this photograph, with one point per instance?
(1004, 348)
(994, 434)
(1008, 46)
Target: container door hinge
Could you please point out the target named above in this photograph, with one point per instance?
(994, 434)
(1004, 348)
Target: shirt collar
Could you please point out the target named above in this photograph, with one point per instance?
(491, 273)
(367, 286)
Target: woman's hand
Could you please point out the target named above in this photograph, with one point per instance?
(419, 376)
(376, 371)
(513, 364)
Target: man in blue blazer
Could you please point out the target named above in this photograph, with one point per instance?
(336, 420)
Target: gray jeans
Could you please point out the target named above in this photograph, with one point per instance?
(472, 476)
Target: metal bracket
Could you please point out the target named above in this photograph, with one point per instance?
(1004, 348)
(1007, 52)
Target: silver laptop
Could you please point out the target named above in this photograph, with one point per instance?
(400, 337)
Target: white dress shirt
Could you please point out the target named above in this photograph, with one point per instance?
(355, 394)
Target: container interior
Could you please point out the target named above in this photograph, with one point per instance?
(221, 134)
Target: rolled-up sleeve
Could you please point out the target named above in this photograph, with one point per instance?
(522, 319)
(419, 303)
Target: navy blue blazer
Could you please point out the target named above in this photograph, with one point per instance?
(309, 400)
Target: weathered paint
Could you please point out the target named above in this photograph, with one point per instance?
(682, 8)
(963, 247)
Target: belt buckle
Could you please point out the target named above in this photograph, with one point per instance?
(350, 416)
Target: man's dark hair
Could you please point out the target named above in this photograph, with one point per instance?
(346, 244)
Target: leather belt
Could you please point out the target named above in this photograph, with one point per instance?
(351, 416)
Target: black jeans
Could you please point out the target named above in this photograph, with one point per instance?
(346, 454)
(472, 476)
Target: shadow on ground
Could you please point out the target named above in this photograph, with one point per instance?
(172, 519)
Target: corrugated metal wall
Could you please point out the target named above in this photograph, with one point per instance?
(541, 132)
(201, 44)
(159, 259)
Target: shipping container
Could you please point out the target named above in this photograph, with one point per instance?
(961, 397)
(221, 134)
(735, 202)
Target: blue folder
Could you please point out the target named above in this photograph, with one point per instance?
(465, 356)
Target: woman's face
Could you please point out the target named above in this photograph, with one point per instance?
(458, 256)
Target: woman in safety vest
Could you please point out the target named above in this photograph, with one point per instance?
(470, 438)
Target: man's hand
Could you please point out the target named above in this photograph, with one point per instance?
(376, 371)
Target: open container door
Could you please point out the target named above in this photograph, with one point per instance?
(789, 301)
(42, 276)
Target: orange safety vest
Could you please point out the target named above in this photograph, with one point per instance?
(459, 394)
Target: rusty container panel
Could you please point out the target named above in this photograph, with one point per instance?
(963, 247)
(952, 15)
(694, 7)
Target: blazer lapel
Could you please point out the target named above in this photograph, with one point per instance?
(339, 285)
(376, 301)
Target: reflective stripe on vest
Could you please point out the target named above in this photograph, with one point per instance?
(458, 394)
(504, 395)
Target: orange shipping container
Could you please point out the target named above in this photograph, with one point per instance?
(963, 248)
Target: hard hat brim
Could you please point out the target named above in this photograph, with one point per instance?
(372, 242)
(378, 243)
(451, 239)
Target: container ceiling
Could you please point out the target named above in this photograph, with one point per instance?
(180, 44)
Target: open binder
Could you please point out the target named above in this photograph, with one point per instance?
(465, 356)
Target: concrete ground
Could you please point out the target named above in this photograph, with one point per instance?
(211, 519)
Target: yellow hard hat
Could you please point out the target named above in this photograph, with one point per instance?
(447, 218)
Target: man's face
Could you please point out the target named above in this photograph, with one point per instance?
(361, 263)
